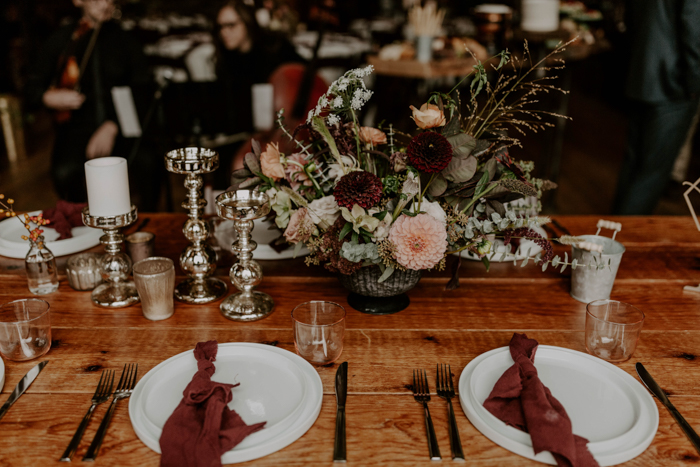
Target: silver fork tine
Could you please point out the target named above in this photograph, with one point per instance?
(101, 395)
(127, 381)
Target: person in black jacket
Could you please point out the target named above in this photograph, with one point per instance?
(664, 85)
(245, 55)
(87, 125)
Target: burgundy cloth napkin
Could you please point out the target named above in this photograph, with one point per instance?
(64, 217)
(521, 400)
(202, 427)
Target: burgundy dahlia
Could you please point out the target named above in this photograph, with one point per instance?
(359, 187)
(429, 152)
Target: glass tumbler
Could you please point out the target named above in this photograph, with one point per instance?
(155, 282)
(319, 328)
(612, 329)
(25, 329)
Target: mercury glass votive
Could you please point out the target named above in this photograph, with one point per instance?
(198, 260)
(243, 207)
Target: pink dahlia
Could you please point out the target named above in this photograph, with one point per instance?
(420, 241)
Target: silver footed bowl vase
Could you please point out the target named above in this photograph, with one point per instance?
(379, 298)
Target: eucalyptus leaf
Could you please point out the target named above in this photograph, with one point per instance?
(438, 186)
(252, 162)
(462, 144)
(460, 170)
(256, 147)
(452, 127)
(297, 248)
(251, 182)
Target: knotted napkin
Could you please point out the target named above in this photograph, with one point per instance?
(521, 400)
(64, 217)
(202, 427)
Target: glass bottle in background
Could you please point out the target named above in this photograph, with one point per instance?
(42, 276)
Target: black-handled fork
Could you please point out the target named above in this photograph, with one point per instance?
(102, 393)
(446, 390)
(421, 393)
(124, 389)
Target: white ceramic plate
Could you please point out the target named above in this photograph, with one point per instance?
(277, 386)
(2, 374)
(12, 245)
(605, 404)
(225, 235)
(527, 248)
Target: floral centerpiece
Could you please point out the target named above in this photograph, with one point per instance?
(361, 197)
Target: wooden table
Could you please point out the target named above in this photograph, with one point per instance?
(384, 424)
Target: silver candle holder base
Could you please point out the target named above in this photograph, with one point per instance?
(242, 207)
(198, 260)
(116, 291)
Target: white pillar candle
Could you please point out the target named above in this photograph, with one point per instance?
(107, 186)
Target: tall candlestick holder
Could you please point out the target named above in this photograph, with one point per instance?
(243, 207)
(198, 260)
(116, 290)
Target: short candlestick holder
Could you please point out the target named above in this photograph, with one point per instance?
(242, 207)
(198, 260)
(116, 291)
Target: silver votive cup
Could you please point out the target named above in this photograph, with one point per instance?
(140, 245)
(155, 282)
(84, 271)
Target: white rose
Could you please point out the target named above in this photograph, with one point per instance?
(433, 209)
(324, 209)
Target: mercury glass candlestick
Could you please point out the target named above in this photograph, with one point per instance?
(243, 207)
(198, 260)
(116, 291)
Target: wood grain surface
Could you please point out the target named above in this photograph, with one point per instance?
(384, 423)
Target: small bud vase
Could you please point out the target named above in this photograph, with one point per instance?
(42, 276)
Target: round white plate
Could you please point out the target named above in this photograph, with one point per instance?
(527, 248)
(2, 374)
(605, 404)
(12, 245)
(225, 235)
(277, 386)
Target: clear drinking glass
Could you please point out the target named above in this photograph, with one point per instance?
(612, 329)
(42, 276)
(155, 282)
(25, 329)
(319, 328)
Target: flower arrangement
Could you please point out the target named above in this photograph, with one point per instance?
(34, 232)
(359, 196)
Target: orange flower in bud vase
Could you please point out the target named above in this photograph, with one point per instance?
(372, 136)
(429, 116)
(270, 162)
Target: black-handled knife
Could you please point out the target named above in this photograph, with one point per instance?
(22, 386)
(661, 395)
(341, 392)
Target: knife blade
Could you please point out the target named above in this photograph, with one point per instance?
(341, 392)
(654, 387)
(22, 386)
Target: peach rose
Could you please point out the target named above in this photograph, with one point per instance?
(429, 116)
(300, 226)
(369, 135)
(270, 162)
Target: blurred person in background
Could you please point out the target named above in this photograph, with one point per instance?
(664, 85)
(245, 55)
(86, 121)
